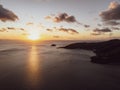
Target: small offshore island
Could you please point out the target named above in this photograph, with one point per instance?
(106, 51)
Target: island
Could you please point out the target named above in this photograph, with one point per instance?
(106, 51)
(53, 44)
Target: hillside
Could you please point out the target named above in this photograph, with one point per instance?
(106, 51)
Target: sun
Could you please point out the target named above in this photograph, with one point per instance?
(33, 37)
(34, 33)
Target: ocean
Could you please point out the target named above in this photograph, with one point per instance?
(40, 66)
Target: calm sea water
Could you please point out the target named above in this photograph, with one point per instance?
(27, 66)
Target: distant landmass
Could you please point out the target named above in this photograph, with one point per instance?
(106, 51)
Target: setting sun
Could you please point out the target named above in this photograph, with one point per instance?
(33, 37)
(33, 32)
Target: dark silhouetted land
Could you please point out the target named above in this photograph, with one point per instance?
(106, 51)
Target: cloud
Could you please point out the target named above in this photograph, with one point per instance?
(104, 30)
(62, 17)
(22, 29)
(56, 36)
(86, 26)
(9, 29)
(65, 30)
(3, 30)
(111, 16)
(99, 25)
(112, 23)
(115, 28)
(50, 30)
(13, 28)
(98, 31)
(95, 34)
(7, 15)
(48, 17)
(112, 13)
(29, 23)
(70, 31)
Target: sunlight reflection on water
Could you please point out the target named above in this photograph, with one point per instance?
(33, 68)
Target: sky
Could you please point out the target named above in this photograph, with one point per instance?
(59, 19)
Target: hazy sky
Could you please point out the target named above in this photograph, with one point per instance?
(60, 19)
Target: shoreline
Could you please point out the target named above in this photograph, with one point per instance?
(106, 51)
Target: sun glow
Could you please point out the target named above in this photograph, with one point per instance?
(33, 37)
(33, 33)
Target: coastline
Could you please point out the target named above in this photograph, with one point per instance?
(106, 51)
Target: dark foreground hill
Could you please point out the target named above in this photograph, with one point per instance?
(106, 51)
